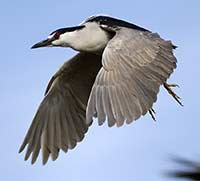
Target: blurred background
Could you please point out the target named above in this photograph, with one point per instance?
(140, 151)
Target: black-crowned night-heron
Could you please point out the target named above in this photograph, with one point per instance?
(115, 77)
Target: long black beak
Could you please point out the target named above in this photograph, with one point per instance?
(43, 43)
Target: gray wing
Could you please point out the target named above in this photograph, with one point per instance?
(60, 119)
(135, 64)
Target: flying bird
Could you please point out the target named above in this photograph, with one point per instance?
(115, 77)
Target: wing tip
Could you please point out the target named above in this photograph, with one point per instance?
(21, 149)
(27, 155)
(174, 46)
(23, 145)
(33, 161)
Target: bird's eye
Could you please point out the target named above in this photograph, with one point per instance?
(56, 35)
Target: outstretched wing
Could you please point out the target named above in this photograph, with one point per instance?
(60, 119)
(135, 64)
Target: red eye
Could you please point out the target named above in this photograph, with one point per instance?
(56, 35)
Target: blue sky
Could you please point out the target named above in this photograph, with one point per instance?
(140, 151)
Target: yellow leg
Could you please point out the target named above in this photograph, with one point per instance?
(172, 93)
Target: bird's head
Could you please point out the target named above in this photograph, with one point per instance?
(88, 37)
(60, 37)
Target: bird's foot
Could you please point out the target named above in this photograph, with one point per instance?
(152, 113)
(172, 93)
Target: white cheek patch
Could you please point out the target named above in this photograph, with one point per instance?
(56, 42)
(51, 36)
